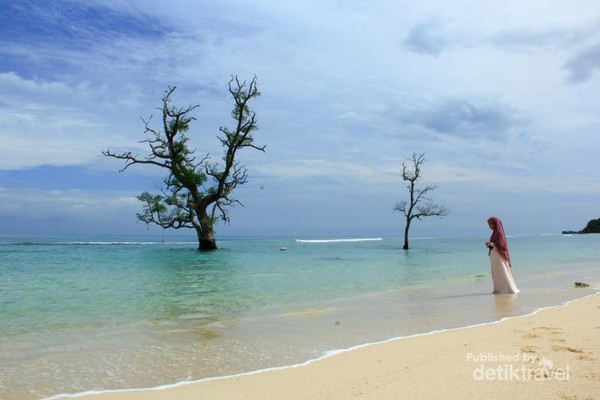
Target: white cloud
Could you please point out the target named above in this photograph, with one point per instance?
(344, 100)
(34, 202)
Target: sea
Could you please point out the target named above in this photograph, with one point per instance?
(113, 313)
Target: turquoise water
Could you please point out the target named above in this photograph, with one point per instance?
(109, 314)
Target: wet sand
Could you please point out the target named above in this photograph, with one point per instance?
(552, 354)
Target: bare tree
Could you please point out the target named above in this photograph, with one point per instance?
(420, 205)
(197, 192)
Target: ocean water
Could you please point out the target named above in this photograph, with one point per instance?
(116, 313)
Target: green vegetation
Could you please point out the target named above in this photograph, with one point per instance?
(593, 226)
(197, 193)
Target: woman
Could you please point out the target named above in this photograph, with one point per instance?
(500, 259)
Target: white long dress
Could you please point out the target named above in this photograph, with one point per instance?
(504, 282)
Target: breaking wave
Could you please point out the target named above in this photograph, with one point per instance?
(337, 240)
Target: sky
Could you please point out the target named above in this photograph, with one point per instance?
(500, 96)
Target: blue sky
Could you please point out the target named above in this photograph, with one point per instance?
(502, 97)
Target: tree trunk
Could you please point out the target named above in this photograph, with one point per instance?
(405, 247)
(206, 235)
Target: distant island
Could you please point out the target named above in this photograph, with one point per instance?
(593, 226)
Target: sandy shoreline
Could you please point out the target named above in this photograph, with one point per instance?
(552, 354)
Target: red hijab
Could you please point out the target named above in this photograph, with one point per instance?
(499, 238)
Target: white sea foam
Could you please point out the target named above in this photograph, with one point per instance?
(92, 243)
(337, 240)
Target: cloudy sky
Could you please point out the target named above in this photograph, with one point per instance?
(501, 96)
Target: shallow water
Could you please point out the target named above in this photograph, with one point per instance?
(116, 313)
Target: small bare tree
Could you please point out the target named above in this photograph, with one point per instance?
(420, 205)
(197, 191)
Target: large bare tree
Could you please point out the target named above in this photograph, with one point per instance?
(197, 192)
(419, 205)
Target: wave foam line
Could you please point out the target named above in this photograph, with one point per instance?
(88, 243)
(337, 240)
(326, 354)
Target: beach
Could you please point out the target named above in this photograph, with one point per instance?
(553, 353)
(120, 315)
